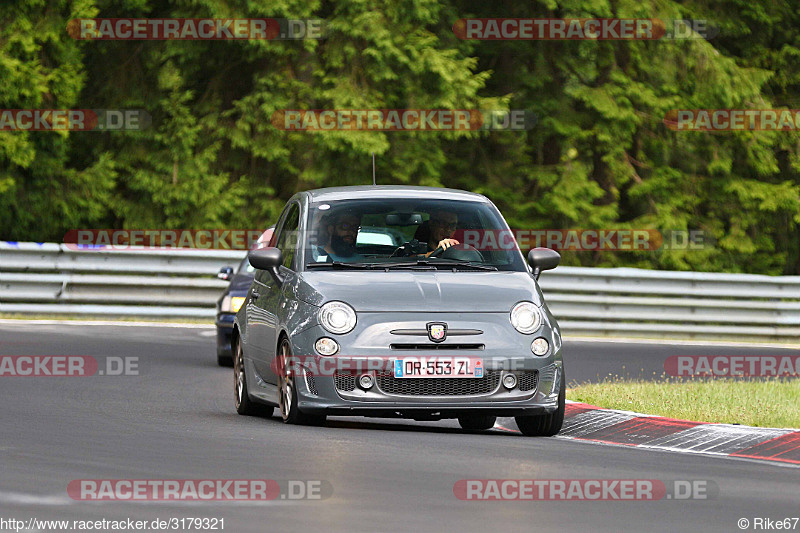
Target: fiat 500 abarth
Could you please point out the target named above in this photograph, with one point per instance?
(436, 315)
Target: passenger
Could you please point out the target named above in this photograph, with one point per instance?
(342, 229)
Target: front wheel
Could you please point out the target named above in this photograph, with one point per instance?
(287, 389)
(244, 405)
(545, 425)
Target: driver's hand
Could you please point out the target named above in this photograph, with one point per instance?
(444, 244)
(447, 243)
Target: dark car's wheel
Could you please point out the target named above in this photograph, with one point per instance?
(224, 360)
(244, 405)
(288, 399)
(477, 422)
(545, 425)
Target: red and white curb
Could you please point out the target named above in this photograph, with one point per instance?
(623, 428)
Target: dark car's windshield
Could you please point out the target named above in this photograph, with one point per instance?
(409, 233)
(245, 267)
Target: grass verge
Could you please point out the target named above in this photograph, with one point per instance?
(763, 403)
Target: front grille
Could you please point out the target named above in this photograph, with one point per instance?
(439, 386)
(311, 384)
(528, 380)
(433, 347)
(345, 382)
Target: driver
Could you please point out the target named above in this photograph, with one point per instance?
(343, 229)
(442, 225)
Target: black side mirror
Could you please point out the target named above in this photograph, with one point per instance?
(225, 273)
(543, 259)
(267, 259)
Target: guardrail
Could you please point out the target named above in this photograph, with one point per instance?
(48, 278)
(56, 279)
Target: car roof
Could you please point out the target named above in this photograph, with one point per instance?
(392, 191)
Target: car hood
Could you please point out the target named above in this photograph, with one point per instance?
(437, 291)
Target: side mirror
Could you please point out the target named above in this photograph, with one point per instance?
(225, 273)
(267, 259)
(543, 259)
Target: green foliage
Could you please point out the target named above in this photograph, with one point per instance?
(600, 155)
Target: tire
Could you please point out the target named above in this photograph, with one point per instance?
(224, 360)
(244, 405)
(477, 422)
(545, 425)
(287, 392)
(224, 356)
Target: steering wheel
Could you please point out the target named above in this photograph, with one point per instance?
(437, 252)
(459, 252)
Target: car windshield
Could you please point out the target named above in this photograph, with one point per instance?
(409, 233)
(245, 267)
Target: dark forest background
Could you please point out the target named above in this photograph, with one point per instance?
(600, 155)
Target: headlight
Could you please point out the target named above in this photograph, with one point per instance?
(231, 304)
(526, 317)
(337, 317)
(236, 303)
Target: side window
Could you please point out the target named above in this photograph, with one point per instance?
(287, 240)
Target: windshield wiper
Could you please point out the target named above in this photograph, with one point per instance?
(419, 264)
(339, 264)
(460, 264)
(435, 263)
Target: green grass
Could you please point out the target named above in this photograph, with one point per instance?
(763, 403)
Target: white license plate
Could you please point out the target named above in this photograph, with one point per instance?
(438, 367)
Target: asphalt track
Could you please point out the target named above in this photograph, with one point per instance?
(175, 420)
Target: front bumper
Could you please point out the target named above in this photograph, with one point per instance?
(320, 395)
(503, 352)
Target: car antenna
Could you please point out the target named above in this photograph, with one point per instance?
(373, 168)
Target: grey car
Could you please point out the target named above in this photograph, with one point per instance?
(451, 323)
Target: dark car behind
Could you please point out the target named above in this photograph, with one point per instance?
(231, 299)
(228, 304)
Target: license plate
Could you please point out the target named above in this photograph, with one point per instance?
(438, 367)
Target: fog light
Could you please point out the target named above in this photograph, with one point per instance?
(509, 381)
(326, 346)
(365, 381)
(540, 346)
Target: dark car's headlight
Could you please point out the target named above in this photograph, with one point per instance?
(526, 317)
(337, 317)
(231, 304)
